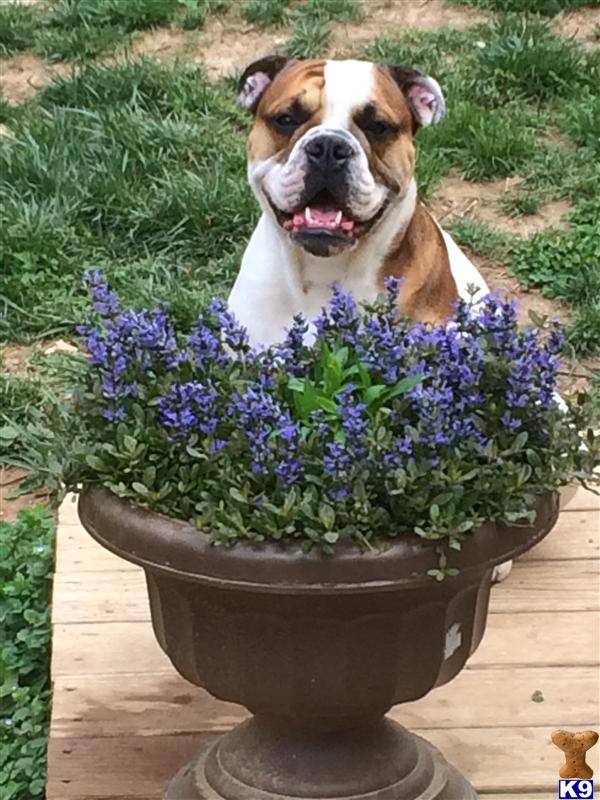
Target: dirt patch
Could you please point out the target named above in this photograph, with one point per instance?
(15, 357)
(582, 24)
(226, 44)
(23, 75)
(162, 43)
(229, 42)
(497, 277)
(392, 19)
(483, 202)
(10, 477)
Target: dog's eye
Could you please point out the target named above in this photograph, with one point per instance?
(285, 122)
(378, 128)
(374, 125)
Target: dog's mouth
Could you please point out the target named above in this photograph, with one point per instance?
(323, 221)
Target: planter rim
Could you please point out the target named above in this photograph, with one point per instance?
(177, 548)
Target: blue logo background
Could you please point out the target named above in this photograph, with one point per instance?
(569, 789)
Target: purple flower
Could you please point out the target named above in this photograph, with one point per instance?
(189, 407)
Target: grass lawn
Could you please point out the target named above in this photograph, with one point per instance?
(137, 165)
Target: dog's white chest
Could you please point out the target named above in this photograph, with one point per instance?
(271, 287)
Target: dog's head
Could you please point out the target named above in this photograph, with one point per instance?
(331, 147)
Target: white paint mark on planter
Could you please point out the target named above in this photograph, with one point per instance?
(453, 640)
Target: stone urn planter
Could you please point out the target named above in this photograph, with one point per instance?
(318, 648)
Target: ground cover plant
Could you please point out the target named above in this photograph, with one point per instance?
(378, 428)
(546, 7)
(80, 29)
(137, 167)
(26, 566)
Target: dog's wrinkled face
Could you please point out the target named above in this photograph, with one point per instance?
(331, 147)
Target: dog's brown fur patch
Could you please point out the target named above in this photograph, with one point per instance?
(419, 256)
(301, 81)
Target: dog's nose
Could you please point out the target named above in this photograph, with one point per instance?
(329, 151)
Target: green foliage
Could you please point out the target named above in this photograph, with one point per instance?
(546, 7)
(309, 38)
(81, 29)
(27, 400)
(524, 203)
(522, 57)
(566, 265)
(17, 26)
(26, 561)
(482, 143)
(311, 23)
(197, 439)
(435, 52)
(138, 167)
(581, 120)
(330, 10)
(481, 238)
(265, 12)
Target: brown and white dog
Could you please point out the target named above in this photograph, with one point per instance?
(331, 159)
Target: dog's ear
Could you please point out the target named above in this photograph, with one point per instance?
(423, 93)
(256, 78)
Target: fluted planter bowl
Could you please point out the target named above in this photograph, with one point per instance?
(318, 648)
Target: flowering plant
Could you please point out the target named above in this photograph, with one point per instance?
(378, 428)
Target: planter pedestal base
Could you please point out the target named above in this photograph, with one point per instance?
(262, 760)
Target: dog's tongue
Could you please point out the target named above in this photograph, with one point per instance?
(332, 218)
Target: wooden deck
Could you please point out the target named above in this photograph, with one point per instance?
(123, 721)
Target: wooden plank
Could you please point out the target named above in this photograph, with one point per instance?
(520, 796)
(67, 512)
(576, 535)
(536, 639)
(76, 551)
(116, 768)
(540, 639)
(549, 585)
(576, 498)
(152, 703)
(100, 596)
(532, 586)
(517, 760)
(106, 648)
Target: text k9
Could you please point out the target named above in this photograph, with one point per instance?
(575, 789)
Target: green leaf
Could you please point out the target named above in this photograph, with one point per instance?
(140, 489)
(331, 537)
(520, 441)
(373, 393)
(405, 385)
(332, 375)
(129, 443)
(8, 432)
(95, 463)
(327, 516)
(149, 476)
(237, 495)
(296, 384)
(327, 405)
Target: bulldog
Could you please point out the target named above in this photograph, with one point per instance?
(331, 160)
